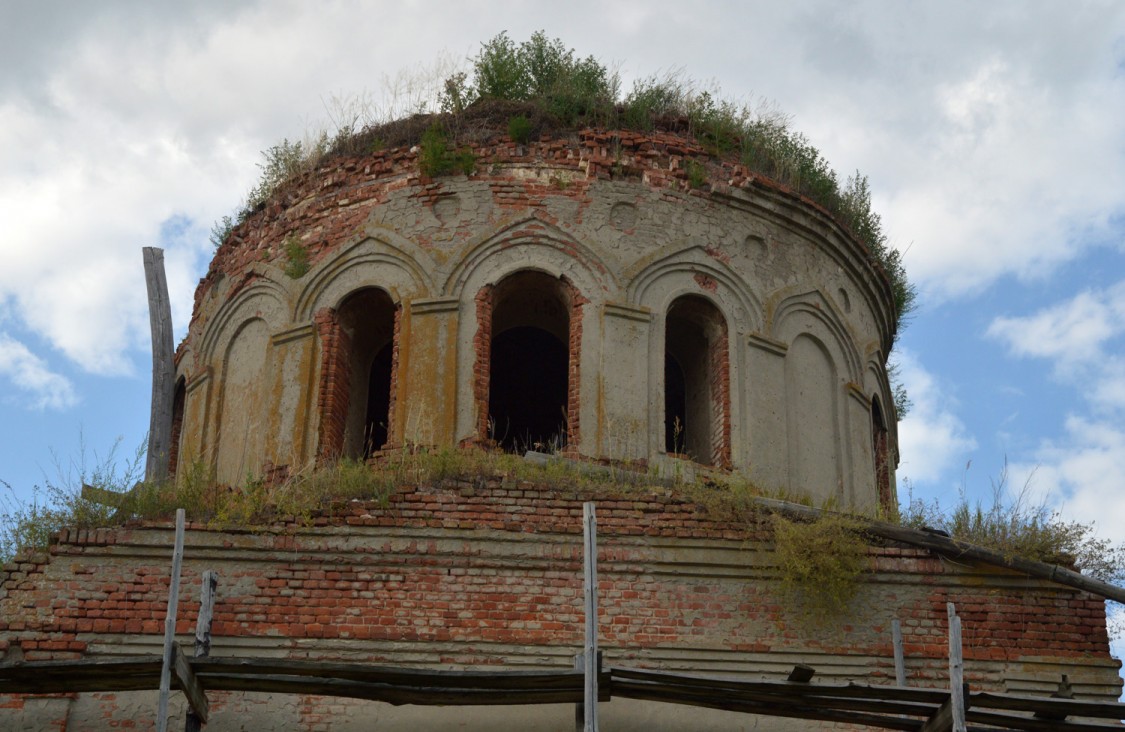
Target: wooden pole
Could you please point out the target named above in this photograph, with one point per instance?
(956, 670)
(579, 708)
(194, 723)
(590, 594)
(163, 367)
(170, 624)
(900, 661)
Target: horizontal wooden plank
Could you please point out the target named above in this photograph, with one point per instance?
(897, 693)
(778, 708)
(1068, 707)
(1031, 724)
(672, 692)
(392, 694)
(563, 679)
(874, 705)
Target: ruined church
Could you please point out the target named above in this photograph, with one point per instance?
(615, 298)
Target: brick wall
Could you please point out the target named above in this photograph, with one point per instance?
(331, 203)
(574, 366)
(396, 332)
(335, 375)
(719, 372)
(482, 367)
(488, 572)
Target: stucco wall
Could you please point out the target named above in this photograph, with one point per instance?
(470, 573)
(611, 215)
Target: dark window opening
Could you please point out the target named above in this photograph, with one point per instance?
(880, 442)
(529, 363)
(696, 401)
(378, 400)
(178, 397)
(368, 318)
(527, 390)
(675, 406)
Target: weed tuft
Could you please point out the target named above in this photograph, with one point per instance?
(1016, 525)
(696, 174)
(519, 129)
(820, 562)
(296, 258)
(436, 157)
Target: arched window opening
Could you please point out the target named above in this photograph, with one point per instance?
(697, 382)
(529, 391)
(368, 319)
(880, 442)
(178, 397)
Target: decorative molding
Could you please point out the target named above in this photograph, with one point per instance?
(432, 305)
(628, 312)
(293, 334)
(198, 381)
(855, 391)
(767, 344)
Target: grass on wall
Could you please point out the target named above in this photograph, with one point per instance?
(1014, 526)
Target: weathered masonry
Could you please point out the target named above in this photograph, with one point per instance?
(471, 574)
(575, 294)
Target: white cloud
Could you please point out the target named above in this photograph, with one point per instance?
(1081, 338)
(1080, 474)
(932, 439)
(988, 154)
(971, 134)
(1069, 332)
(30, 374)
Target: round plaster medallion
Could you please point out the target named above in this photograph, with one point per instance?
(756, 245)
(447, 208)
(623, 216)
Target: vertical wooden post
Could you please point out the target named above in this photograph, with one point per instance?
(579, 708)
(956, 669)
(203, 635)
(170, 624)
(900, 661)
(163, 368)
(590, 594)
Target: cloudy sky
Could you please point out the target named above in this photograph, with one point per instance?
(993, 135)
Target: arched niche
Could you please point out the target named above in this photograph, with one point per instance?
(358, 370)
(474, 282)
(812, 396)
(368, 317)
(528, 328)
(399, 267)
(240, 433)
(693, 273)
(696, 381)
(659, 279)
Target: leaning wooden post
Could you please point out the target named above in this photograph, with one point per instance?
(170, 624)
(956, 669)
(193, 723)
(590, 594)
(163, 368)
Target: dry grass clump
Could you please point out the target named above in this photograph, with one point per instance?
(820, 562)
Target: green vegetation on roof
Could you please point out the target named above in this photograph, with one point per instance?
(539, 86)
